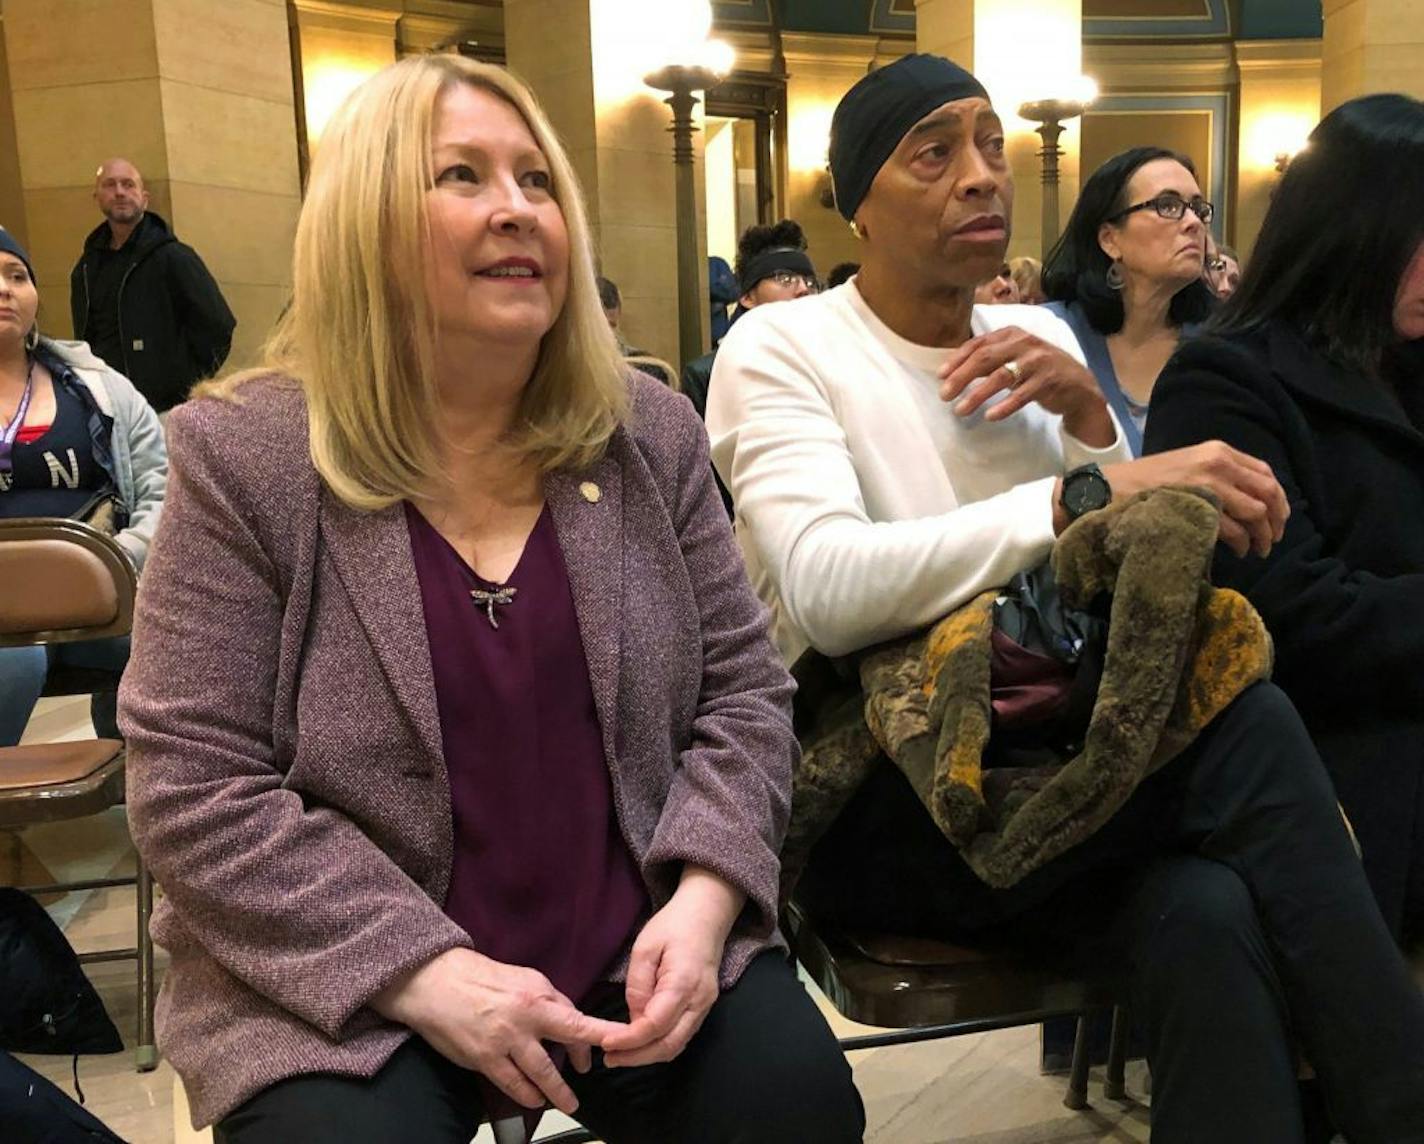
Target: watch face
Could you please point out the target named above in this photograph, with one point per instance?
(1085, 492)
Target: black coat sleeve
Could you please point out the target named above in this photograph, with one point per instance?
(1346, 640)
(78, 299)
(202, 312)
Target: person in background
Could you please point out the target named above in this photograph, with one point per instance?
(144, 301)
(457, 739)
(1316, 365)
(1027, 273)
(611, 300)
(71, 431)
(895, 450)
(1000, 290)
(772, 266)
(1223, 270)
(1127, 274)
(841, 272)
(722, 291)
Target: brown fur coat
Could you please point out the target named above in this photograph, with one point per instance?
(1179, 651)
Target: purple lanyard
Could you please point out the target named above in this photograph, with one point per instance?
(12, 430)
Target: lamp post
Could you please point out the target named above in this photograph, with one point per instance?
(1050, 115)
(682, 81)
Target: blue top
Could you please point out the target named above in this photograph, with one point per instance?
(1132, 415)
(57, 473)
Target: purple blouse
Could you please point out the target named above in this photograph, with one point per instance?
(542, 876)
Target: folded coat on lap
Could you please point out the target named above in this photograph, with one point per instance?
(1179, 651)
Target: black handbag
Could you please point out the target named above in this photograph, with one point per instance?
(47, 1005)
(1032, 616)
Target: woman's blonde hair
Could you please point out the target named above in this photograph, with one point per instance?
(1027, 273)
(359, 334)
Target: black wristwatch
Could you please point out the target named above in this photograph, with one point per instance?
(1085, 490)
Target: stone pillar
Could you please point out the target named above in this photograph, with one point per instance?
(12, 193)
(584, 60)
(1020, 50)
(1370, 46)
(1280, 105)
(198, 95)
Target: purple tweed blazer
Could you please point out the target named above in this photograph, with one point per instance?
(286, 782)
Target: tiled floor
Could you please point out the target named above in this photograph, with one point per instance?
(982, 1089)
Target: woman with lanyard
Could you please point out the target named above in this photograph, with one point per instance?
(1127, 274)
(71, 430)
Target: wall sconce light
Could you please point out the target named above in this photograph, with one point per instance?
(1272, 137)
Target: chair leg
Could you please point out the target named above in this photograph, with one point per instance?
(1077, 1096)
(146, 1054)
(1115, 1086)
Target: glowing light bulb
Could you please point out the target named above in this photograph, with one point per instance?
(718, 57)
(1084, 89)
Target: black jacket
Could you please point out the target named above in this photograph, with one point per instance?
(174, 326)
(1343, 593)
(696, 377)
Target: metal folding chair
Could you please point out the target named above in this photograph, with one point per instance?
(65, 581)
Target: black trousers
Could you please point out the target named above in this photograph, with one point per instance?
(1230, 890)
(763, 1069)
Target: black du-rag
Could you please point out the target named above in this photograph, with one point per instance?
(874, 115)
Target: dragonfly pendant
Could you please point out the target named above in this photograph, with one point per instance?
(488, 599)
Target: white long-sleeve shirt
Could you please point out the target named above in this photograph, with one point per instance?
(866, 507)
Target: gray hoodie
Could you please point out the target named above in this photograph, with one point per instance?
(140, 457)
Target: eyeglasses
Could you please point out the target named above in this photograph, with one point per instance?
(1216, 265)
(1171, 207)
(789, 279)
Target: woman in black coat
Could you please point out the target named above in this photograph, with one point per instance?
(1316, 366)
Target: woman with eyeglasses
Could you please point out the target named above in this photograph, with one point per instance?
(1127, 274)
(1316, 366)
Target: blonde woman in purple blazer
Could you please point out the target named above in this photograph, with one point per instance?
(457, 739)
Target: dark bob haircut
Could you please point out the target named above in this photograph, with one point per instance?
(1342, 227)
(1076, 268)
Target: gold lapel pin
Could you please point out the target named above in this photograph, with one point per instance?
(591, 492)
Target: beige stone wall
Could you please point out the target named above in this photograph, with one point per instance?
(12, 193)
(1280, 104)
(198, 94)
(1370, 46)
(230, 131)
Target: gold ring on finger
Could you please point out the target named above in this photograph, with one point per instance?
(1015, 371)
